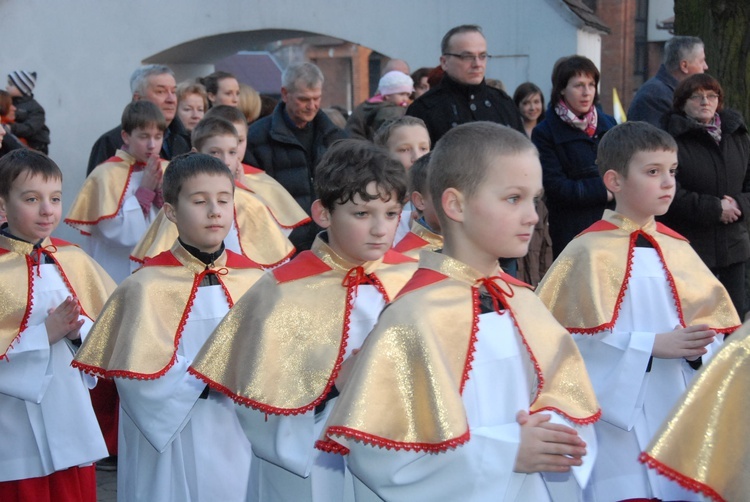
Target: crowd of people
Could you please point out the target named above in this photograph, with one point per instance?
(225, 336)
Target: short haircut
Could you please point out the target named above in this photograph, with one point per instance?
(210, 127)
(693, 83)
(463, 155)
(527, 89)
(211, 82)
(226, 112)
(420, 73)
(678, 49)
(418, 174)
(142, 114)
(139, 78)
(23, 160)
(249, 103)
(569, 67)
(464, 28)
(301, 76)
(384, 132)
(185, 89)
(189, 165)
(350, 165)
(622, 142)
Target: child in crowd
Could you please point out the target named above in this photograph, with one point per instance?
(253, 231)
(425, 229)
(29, 122)
(122, 196)
(445, 399)
(178, 440)
(52, 292)
(280, 349)
(643, 308)
(407, 139)
(395, 89)
(285, 210)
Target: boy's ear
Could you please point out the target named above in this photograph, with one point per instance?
(320, 214)
(612, 180)
(417, 200)
(453, 204)
(170, 212)
(125, 138)
(3, 211)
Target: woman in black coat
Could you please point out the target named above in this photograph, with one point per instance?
(712, 201)
(567, 141)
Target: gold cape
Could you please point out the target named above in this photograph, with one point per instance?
(703, 445)
(139, 329)
(280, 349)
(261, 239)
(103, 192)
(86, 280)
(586, 284)
(419, 238)
(280, 203)
(404, 391)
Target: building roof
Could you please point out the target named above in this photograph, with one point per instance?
(587, 15)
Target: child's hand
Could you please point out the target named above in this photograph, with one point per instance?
(63, 321)
(547, 447)
(687, 342)
(152, 174)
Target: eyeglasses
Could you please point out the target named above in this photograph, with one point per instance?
(466, 57)
(700, 97)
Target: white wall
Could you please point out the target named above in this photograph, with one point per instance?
(84, 51)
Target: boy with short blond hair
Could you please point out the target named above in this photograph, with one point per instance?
(51, 293)
(254, 232)
(280, 350)
(178, 440)
(643, 308)
(122, 196)
(445, 399)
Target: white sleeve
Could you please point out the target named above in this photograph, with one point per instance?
(27, 370)
(286, 441)
(162, 407)
(482, 465)
(128, 225)
(616, 362)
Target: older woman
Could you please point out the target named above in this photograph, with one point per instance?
(192, 103)
(712, 201)
(567, 140)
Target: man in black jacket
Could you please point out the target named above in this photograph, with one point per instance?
(288, 144)
(462, 95)
(155, 83)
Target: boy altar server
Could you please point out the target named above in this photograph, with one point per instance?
(453, 394)
(51, 293)
(178, 440)
(279, 351)
(643, 308)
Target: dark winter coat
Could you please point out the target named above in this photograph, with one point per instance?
(707, 172)
(450, 104)
(176, 141)
(272, 146)
(573, 188)
(367, 118)
(654, 98)
(29, 124)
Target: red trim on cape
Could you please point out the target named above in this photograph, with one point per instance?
(251, 169)
(235, 260)
(681, 479)
(580, 421)
(246, 188)
(599, 226)
(471, 349)
(305, 264)
(409, 242)
(119, 203)
(392, 257)
(663, 229)
(163, 259)
(422, 277)
(329, 444)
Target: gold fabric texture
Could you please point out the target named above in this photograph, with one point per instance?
(102, 193)
(584, 285)
(280, 203)
(434, 241)
(405, 389)
(138, 331)
(261, 239)
(704, 443)
(89, 282)
(280, 346)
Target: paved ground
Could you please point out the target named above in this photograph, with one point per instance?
(106, 486)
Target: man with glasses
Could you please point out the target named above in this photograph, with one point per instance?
(462, 95)
(683, 56)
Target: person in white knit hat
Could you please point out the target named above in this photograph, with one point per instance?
(29, 125)
(395, 88)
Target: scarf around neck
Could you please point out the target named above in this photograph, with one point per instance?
(587, 123)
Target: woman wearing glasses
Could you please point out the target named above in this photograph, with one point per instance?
(567, 140)
(712, 202)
